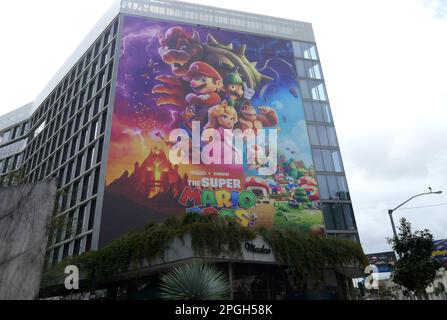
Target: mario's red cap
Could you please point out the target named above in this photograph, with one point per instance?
(204, 69)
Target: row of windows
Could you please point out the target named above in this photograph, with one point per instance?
(327, 160)
(305, 50)
(333, 187)
(84, 126)
(318, 112)
(209, 15)
(14, 133)
(323, 139)
(12, 149)
(10, 164)
(70, 144)
(338, 216)
(313, 90)
(69, 106)
(85, 63)
(308, 69)
(321, 135)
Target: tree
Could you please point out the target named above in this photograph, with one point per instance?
(195, 281)
(416, 268)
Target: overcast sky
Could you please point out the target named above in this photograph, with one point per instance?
(385, 65)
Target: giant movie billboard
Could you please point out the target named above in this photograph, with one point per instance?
(210, 122)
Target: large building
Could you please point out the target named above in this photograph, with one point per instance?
(102, 126)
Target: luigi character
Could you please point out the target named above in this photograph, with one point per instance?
(236, 90)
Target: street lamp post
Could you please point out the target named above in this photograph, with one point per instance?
(391, 211)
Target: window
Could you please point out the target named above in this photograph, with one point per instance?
(73, 146)
(317, 90)
(333, 187)
(327, 160)
(85, 187)
(69, 227)
(309, 112)
(332, 136)
(338, 216)
(80, 221)
(336, 159)
(79, 165)
(96, 182)
(77, 247)
(55, 256)
(65, 252)
(39, 129)
(318, 160)
(89, 161)
(88, 244)
(69, 171)
(94, 130)
(309, 51)
(99, 155)
(323, 187)
(349, 217)
(323, 136)
(100, 81)
(87, 114)
(308, 69)
(96, 106)
(91, 219)
(313, 135)
(305, 50)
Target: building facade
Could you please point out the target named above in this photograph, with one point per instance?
(67, 132)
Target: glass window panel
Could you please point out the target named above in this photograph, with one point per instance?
(305, 89)
(343, 187)
(338, 166)
(327, 159)
(314, 90)
(313, 135)
(316, 70)
(333, 187)
(327, 113)
(308, 111)
(332, 136)
(301, 68)
(322, 135)
(339, 217)
(318, 159)
(328, 217)
(322, 185)
(313, 70)
(80, 220)
(349, 217)
(318, 112)
(297, 49)
(321, 92)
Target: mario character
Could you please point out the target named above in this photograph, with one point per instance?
(206, 82)
(249, 118)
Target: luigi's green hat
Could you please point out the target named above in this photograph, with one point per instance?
(233, 78)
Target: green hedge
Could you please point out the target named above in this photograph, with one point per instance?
(306, 256)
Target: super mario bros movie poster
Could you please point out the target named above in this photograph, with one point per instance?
(183, 90)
